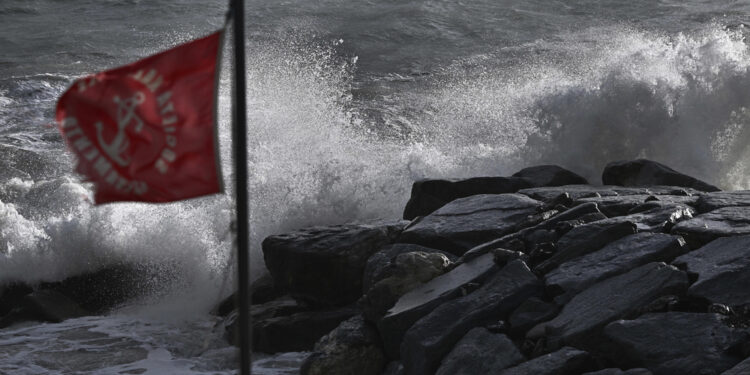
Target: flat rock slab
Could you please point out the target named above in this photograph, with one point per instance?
(613, 259)
(720, 199)
(530, 313)
(742, 368)
(676, 343)
(430, 194)
(589, 191)
(468, 222)
(722, 222)
(643, 172)
(581, 320)
(620, 205)
(433, 336)
(654, 216)
(723, 268)
(420, 301)
(617, 371)
(567, 360)
(379, 265)
(585, 239)
(323, 266)
(480, 352)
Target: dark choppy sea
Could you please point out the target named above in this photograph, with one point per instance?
(349, 102)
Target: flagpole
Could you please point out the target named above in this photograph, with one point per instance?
(239, 136)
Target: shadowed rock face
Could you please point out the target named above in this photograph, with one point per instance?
(677, 343)
(644, 172)
(564, 361)
(617, 371)
(723, 268)
(722, 222)
(468, 222)
(480, 352)
(741, 369)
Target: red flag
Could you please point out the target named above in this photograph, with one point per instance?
(147, 131)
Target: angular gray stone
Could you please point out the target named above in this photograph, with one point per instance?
(420, 301)
(430, 194)
(480, 352)
(589, 191)
(643, 172)
(550, 175)
(676, 343)
(323, 266)
(468, 222)
(433, 336)
(530, 313)
(617, 371)
(723, 268)
(408, 271)
(654, 216)
(720, 199)
(620, 205)
(351, 348)
(567, 360)
(722, 222)
(613, 259)
(580, 321)
(585, 239)
(742, 368)
(379, 265)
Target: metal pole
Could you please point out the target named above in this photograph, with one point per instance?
(239, 137)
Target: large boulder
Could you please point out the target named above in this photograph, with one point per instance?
(351, 348)
(408, 271)
(480, 352)
(422, 300)
(585, 239)
(565, 361)
(722, 222)
(44, 306)
(430, 194)
(468, 222)
(581, 320)
(613, 259)
(644, 172)
(323, 266)
(433, 336)
(550, 175)
(720, 199)
(262, 290)
(381, 264)
(723, 269)
(676, 343)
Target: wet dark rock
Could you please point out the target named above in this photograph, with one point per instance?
(394, 368)
(723, 269)
(585, 239)
(617, 371)
(550, 175)
(722, 222)
(620, 205)
(422, 300)
(480, 352)
(468, 222)
(587, 313)
(323, 266)
(676, 343)
(408, 271)
(742, 368)
(262, 290)
(577, 192)
(655, 216)
(11, 296)
(45, 306)
(720, 199)
(613, 259)
(433, 336)
(642, 172)
(503, 256)
(567, 360)
(429, 195)
(530, 313)
(351, 348)
(292, 333)
(380, 265)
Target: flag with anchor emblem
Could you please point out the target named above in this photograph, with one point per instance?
(147, 131)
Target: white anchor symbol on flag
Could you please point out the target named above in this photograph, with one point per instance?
(125, 115)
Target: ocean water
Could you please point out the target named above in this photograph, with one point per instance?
(349, 103)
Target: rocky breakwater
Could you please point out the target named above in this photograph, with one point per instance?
(536, 273)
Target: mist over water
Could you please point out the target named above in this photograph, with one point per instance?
(349, 103)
